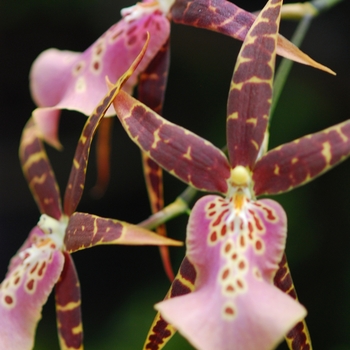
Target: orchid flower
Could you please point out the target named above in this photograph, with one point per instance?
(79, 77)
(44, 260)
(235, 243)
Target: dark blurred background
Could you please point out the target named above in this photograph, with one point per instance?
(120, 284)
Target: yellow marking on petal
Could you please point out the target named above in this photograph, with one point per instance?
(252, 121)
(255, 144)
(187, 155)
(76, 164)
(233, 116)
(78, 329)
(156, 139)
(326, 152)
(294, 160)
(68, 307)
(276, 170)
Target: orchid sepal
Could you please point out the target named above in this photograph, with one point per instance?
(193, 160)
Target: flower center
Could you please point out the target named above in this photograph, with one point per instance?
(55, 229)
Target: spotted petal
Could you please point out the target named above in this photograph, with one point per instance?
(68, 300)
(86, 230)
(76, 81)
(30, 279)
(298, 162)
(250, 95)
(179, 151)
(76, 180)
(235, 254)
(38, 172)
(225, 17)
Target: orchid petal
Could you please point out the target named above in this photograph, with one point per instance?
(300, 161)
(250, 93)
(76, 81)
(76, 180)
(151, 92)
(26, 289)
(86, 230)
(226, 18)
(38, 172)
(179, 151)
(68, 300)
(235, 255)
(298, 337)
(161, 331)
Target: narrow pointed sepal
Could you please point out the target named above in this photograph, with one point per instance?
(298, 338)
(235, 254)
(32, 274)
(68, 300)
(77, 176)
(226, 18)
(86, 230)
(300, 161)
(38, 172)
(161, 331)
(185, 155)
(250, 95)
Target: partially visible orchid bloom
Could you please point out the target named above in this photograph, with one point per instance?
(235, 242)
(79, 77)
(44, 260)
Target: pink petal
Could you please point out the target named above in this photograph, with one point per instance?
(235, 254)
(76, 81)
(31, 277)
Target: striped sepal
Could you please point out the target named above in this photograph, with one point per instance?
(226, 18)
(185, 155)
(151, 91)
(300, 161)
(38, 172)
(250, 95)
(76, 180)
(67, 291)
(161, 331)
(298, 338)
(86, 230)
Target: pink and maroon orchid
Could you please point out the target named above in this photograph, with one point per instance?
(80, 77)
(44, 260)
(235, 243)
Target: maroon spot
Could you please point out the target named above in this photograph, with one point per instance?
(96, 65)
(30, 285)
(239, 284)
(212, 213)
(8, 300)
(99, 50)
(229, 310)
(234, 256)
(225, 274)
(242, 241)
(41, 270)
(144, 36)
(131, 30)
(16, 280)
(241, 265)
(115, 36)
(53, 245)
(211, 206)
(218, 220)
(132, 40)
(34, 268)
(228, 247)
(258, 245)
(147, 22)
(230, 288)
(232, 225)
(213, 236)
(78, 67)
(223, 230)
